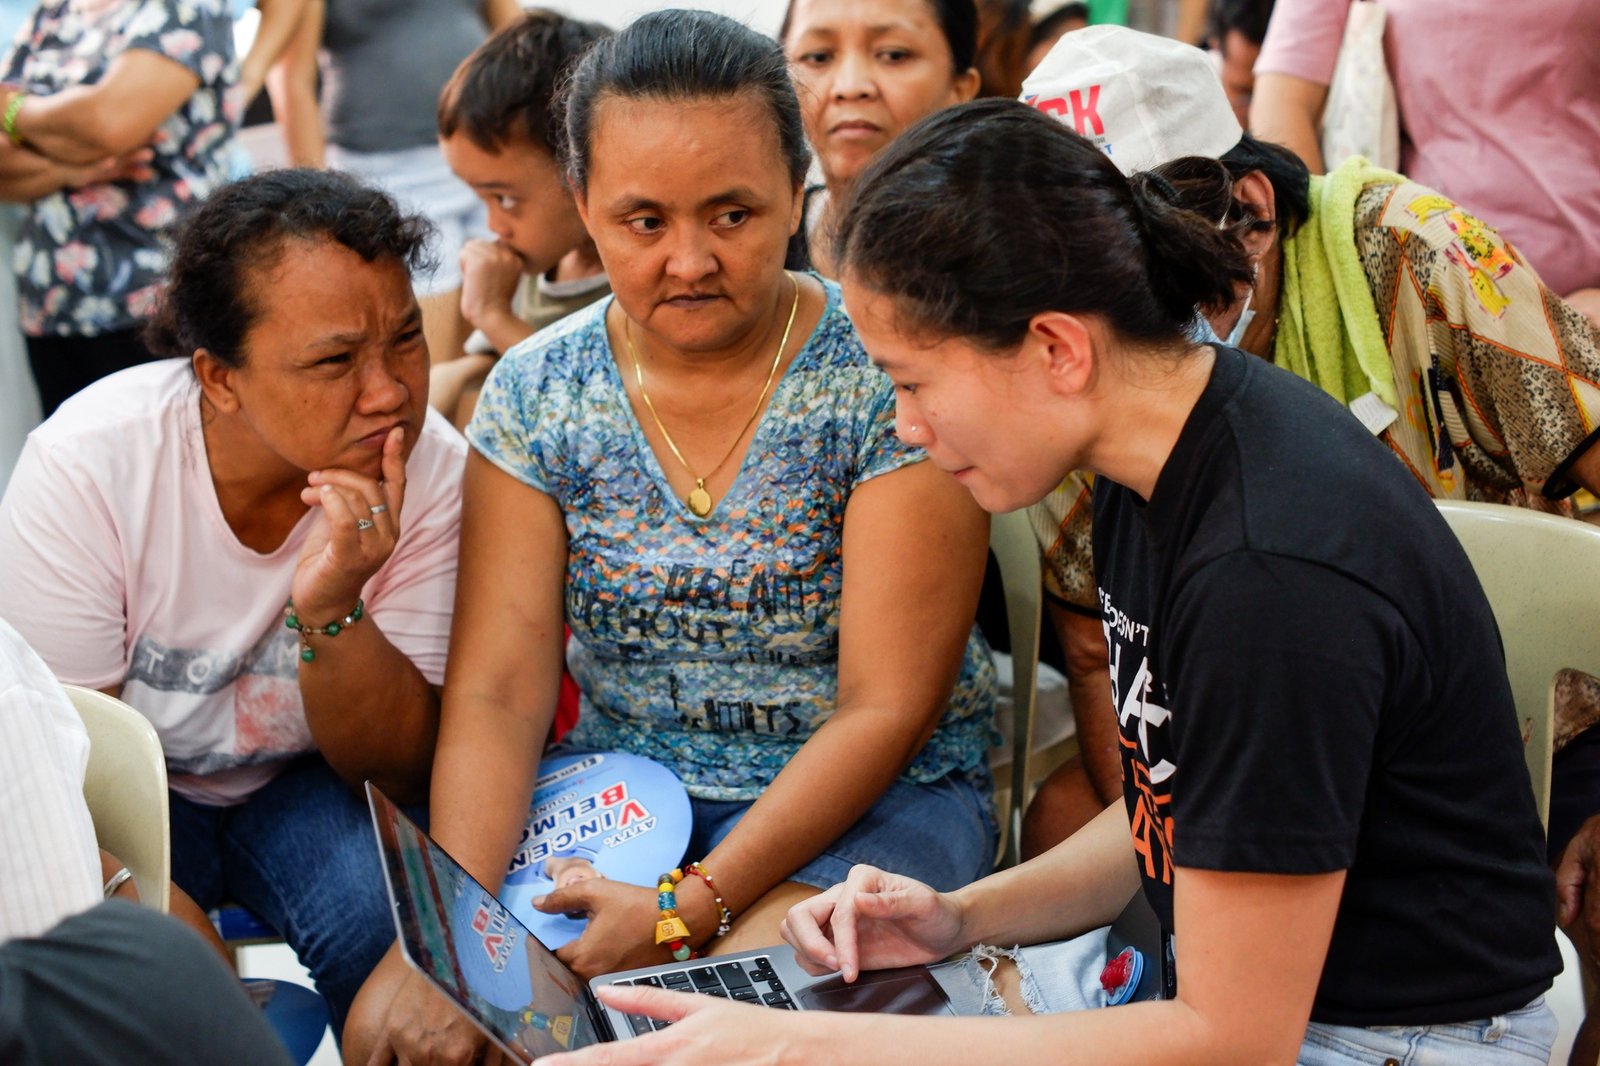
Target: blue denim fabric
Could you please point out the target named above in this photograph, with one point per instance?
(942, 833)
(1521, 1038)
(300, 854)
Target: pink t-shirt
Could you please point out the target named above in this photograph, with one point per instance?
(117, 566)
(1499, 110)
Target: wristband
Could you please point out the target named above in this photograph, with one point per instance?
(8, 121)
(724, 915)
(332, 629)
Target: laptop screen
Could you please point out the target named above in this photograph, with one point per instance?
(472, 947)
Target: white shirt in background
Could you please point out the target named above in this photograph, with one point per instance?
(49, 863)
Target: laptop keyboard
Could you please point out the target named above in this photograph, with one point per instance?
(747, 980)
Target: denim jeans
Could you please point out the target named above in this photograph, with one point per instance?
(942, 833)
(300, 854)
(1520, 1038)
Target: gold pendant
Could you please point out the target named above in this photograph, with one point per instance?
(699, 500)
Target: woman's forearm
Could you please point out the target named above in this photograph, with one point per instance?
(119, 113)
(274, 33)
(1142, 1033)
(1287, 110)
(506, 657)
(68, 126)
(291, 84)
(1082, 883)
(483, 777)
(372, 713)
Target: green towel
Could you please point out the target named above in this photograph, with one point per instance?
(1328, 329)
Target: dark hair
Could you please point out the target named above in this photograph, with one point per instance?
(984, 215)
(1206, 188)
(958, 21)
(1249, 17)
(682, 55)
(241, 227)
(509, 86)
(1048, 26)
(1004, 32)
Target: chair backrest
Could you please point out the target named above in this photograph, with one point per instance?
(1537, 571)
(126, 789)
(1016, 549)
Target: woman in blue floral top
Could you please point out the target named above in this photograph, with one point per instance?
(768, 591)
(115, 121)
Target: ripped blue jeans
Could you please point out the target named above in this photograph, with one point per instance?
(1065, 976)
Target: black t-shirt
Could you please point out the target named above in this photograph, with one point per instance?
(1308, 679)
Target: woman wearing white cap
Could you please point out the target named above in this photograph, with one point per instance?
(1337, 835)
(1394, 300)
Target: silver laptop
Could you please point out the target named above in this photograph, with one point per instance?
(473, 949)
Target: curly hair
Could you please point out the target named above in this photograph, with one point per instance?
(242, 228)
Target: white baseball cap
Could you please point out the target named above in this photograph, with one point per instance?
(1143, 100)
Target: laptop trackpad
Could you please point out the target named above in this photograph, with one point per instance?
(910, 990)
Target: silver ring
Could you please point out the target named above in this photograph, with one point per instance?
(382, 507)
(363, 524)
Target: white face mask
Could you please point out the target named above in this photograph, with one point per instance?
(1200, 330)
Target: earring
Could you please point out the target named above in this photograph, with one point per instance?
(913, 428)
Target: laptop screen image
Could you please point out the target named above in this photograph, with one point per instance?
(474, 948)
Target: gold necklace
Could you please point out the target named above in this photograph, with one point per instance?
(699, 500)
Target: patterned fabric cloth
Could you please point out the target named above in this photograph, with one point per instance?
(1498, 379)
(711, 643)
(89, 260)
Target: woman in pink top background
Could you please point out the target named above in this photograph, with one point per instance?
(170, 526)
(1499, 110)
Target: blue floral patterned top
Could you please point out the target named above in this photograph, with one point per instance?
(90, 260)
(711, 644)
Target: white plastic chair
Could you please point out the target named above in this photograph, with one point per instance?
(125, 786)
(1537, 570)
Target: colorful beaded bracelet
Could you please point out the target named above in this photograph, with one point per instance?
(670, 929)
(724, 915)
(332, 629)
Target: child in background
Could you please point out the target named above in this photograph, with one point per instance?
(497, 130)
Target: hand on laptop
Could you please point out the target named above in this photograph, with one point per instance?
(704, 1030)
(420, 1027)
(622, 919)
(872, 921)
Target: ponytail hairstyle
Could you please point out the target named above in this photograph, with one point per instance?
(984, 215)
(1205, 186)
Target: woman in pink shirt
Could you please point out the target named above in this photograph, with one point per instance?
(1499, 110)
(254, 543)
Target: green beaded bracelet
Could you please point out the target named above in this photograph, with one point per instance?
(8, 121)
(332, 629)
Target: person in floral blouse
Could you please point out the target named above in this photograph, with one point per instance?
(115, 120)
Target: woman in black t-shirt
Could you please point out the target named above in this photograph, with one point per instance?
(1323, 776)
